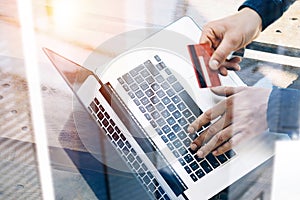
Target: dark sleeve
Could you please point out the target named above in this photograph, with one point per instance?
(268, 10)
(284, 110)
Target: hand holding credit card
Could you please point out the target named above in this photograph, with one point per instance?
(200, 55)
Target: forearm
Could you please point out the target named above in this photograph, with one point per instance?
(268, 10)
(283, 112)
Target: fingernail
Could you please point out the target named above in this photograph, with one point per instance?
(214, 64)
(193, 146)
(190, 129)
(200, 154)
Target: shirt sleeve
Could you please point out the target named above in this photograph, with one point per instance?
(268, 10)
(284, 110)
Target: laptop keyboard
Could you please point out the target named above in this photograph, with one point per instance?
(133, 160)
(170, 109)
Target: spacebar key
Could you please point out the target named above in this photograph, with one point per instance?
(191, 103)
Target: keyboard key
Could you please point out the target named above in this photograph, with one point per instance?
(171, 79)
(157, 58)
(120, 144)
(187, 113)
(161, 190)
(166, 197)
(187, 142)
(110, 129)
(165, 113)
(182, 151)
(145, 73)
(191, 119)
(166, 129)
(230, 154)
(147, 180)
(134, 87)
(128, 144)
(139, 94)
(165, 85)
(164, 138)
(198, 158)
(182, 135)
(142, 109)
(151, 187)
(160, 93)
(149, 93)
(151, 68)
(176, 128)
(130, 157)
(171, 136)
(155, 115)
(94, 107)
(139, 79)
(177, 143)
(159, 78)
(207, 168)
(188, 158)
(177, 87)
(192, 151)
(176, 114)
(144, 85)
(222, 158)
(160, 122)
(182, 162)
(194, 166)
(170, 92)
(105, 122)
(171, 121)
(176, 154)
(200, 173)
(150, 108)
(193, 136)
(190, 102)
(127, 78)
(182, 121)
(212, 160)
(166, 100)
(150, 80)
(171, 147)
(193, 176)
(188, 169)
(133, 72)
(154, 99)
(171, 107)
(181, 106)
(100, 115)
(157, 195)
(160, 107)
(121, 81)
(144, 101)
(148, 117)
(168, 71)
(115, 136)
(155, 86)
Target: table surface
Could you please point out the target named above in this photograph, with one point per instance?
(76, 30)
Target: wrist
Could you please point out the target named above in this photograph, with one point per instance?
(253, 17)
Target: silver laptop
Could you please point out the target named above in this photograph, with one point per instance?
(144, 100)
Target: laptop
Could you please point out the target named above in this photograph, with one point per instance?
(143, 101)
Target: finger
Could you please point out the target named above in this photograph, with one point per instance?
(214, 129)
(209, 36)
(221, 53)
(207, 116)
(236, 139)
(232, 64)
(226, 90)
(216, 141)
(223, 71)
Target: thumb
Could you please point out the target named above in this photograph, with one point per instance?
(220, 54)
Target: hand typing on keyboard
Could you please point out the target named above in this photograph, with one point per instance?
(240, 116)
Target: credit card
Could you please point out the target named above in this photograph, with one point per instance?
(200, 55)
